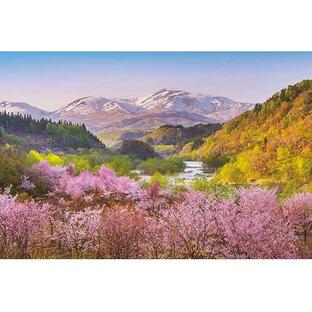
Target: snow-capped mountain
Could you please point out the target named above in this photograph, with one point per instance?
(166, 106)
(163, 107)
(219, 108)
(23, 108)
(97, 112)
(96, 105)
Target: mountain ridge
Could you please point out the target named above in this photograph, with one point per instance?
(166, 106)
(23, 108)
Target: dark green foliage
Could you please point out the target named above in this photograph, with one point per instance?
(214, 162)
(258, 107)
(60, 134)
(197, 142)
(179, 135)
(138, 149)
(9, 138)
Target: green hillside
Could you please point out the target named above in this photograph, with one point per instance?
(272, 144)
(27, 133)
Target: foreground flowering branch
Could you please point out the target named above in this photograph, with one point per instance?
(100, 215)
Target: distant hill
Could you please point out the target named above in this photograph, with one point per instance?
(43, 134)
(273, 142)
(22, 108)
(179, 135)
(115, 138)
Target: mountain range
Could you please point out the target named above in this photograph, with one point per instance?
(163, 107)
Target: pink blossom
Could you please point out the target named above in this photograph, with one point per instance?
(78, 233)
(254, 226)
(63, 180)
(123, 233)
(299, 212)
(21, 225)
(26, 184)
(190, 227)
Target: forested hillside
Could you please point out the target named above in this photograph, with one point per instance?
(179, 135)
(271, 144)
(24, 131)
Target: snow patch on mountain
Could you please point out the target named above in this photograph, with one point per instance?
(163, 107)
(216, 107)
(22, 108)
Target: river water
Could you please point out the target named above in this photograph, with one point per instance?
(192, 169)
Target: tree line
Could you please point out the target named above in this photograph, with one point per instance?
(61, 133)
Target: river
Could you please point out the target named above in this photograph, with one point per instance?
(192, 169)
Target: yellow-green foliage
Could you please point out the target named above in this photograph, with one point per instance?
(271, 143)
(164, 148)
(121, 164)
(230, 173)
(204, 184)
(34, 157)
(159, 178)
(86, 160)
(81, 163)
(164, 166)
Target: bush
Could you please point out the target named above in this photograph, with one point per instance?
(34, 157)
(163, 166)
(160, 179)
(232, 174)
(11, 167)
(202, 184)
(121, 164)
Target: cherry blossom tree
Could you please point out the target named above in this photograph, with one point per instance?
(122, 233)
(190, 227)
(299, 212)
(21, 226)
(79, 232)
(254, 226)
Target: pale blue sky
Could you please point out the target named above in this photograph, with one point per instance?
(53, 79)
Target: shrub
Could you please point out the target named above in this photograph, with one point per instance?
(163, 166)
(203, 184)
(121, 164)
(160, 179)
(11, 168)
(34, 157)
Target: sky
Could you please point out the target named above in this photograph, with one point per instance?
(50, 80)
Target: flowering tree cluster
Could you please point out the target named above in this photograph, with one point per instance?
(254, 226)
(22, 226)
(100, 215)
(299, 211)
(62, 180)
